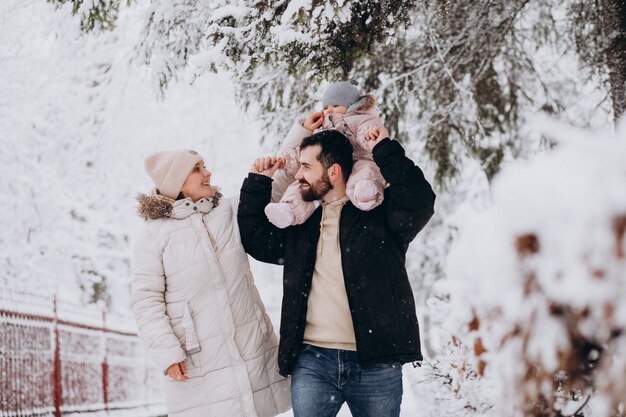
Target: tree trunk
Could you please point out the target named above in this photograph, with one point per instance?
(613, 22)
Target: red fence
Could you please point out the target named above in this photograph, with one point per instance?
(57, 359)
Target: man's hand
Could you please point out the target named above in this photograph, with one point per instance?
(267, 165)
(177, 371)
(375, 135)
(313, 121)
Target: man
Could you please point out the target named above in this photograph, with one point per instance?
(348, 319)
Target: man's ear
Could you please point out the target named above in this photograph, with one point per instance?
(334, 172)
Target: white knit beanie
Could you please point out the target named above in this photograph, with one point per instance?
(169, 170)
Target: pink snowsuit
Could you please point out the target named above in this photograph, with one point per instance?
(366, 196)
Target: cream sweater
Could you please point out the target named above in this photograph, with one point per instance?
(328, 319)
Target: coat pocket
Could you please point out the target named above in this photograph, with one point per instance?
(192, 345)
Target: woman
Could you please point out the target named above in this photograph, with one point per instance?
(194, 299)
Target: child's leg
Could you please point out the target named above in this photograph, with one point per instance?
(283, 178)
(291, 210)
(292, 161)
(366, 185)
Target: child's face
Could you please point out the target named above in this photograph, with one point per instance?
(331, 108)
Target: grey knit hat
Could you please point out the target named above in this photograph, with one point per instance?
(170, 169)
(344, 93)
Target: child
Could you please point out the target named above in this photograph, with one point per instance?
(353, 114)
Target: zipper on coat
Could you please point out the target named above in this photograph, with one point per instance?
(211, 239)
(213, 251)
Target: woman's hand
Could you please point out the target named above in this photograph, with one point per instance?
(313, 121)
(177, 371)
(267, 165)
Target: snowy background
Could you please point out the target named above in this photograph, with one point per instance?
(78, 115)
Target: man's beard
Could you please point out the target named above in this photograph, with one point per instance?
(317, 190)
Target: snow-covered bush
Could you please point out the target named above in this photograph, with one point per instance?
(538, 281)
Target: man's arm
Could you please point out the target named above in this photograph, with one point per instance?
(409, 199)
(261, 239)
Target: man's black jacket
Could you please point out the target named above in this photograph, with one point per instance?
(373, 250)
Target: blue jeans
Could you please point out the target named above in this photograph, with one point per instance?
(323, 379)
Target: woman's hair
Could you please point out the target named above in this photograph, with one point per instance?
(180, 195)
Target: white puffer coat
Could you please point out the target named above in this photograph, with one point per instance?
(194, 299)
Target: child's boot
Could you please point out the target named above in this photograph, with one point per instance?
(366, 195)
(280, 214)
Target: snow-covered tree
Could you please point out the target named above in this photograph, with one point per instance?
(459, 80)
(461, 77)
(600, 32)
(95, 15)
(78, 118)
(55, 89)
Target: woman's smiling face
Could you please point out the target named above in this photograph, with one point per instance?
(198, 183)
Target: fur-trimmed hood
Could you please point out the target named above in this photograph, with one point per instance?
(367, 102)
(156, 206)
